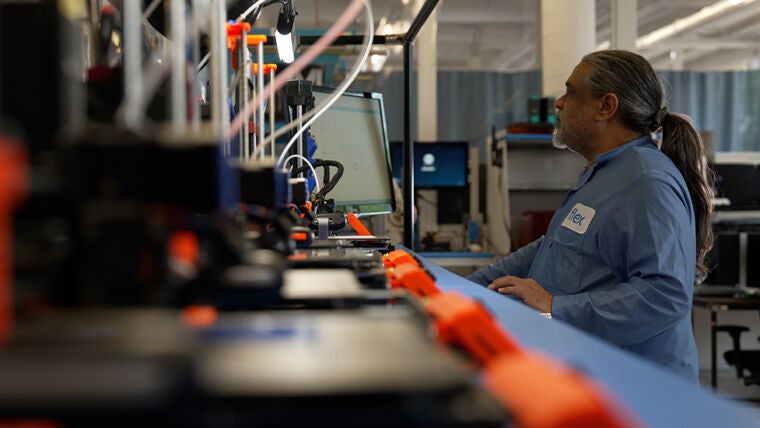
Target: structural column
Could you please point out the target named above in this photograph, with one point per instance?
(427, 80)
(427, 113)
(623, 24)
(568, 32)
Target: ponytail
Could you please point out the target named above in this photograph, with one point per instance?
(681, 143)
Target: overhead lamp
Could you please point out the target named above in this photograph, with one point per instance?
(284, 34)
(682, 24)
(688, 22)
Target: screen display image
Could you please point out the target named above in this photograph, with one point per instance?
(353, 132)
(441, 164)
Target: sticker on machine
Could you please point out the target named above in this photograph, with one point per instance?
(579, 218)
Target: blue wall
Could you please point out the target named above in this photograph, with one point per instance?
(470, 103)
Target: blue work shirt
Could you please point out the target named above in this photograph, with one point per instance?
(620, 256)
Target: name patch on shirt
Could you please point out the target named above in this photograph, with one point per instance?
(579, 218)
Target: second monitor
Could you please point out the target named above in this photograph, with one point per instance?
(441, 167)
(436, 164)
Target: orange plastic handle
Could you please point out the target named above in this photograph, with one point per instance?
(357, 225)
(464, 322)
(567, 399)
(415, 279)
(397, 258)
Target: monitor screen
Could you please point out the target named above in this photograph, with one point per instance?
(353, 132)
(440, 164)
(739, 183)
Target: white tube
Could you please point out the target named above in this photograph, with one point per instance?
(260, 84)
(179, 65)
(330, 100)
(220, 112)
(299, 134)
(243, 88)
(369, 35)
(271, 118)
(248, 11)
(317, 186)
(132, 28)
(299, 64)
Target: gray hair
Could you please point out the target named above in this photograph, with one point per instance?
(638, 88)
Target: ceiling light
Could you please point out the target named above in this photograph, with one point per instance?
(680, 25)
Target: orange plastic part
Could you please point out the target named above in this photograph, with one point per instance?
(299, 236)
(184, 246)
(398, 257)
(415, 279)
(541, 393)
(464, 322)
(199, 315)
(236, 28)
(13, 188)
(267, 67)
(357, 225)
(305, 207)
(255, 39)
(234, 31)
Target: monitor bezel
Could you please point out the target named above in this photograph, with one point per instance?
(386, 145)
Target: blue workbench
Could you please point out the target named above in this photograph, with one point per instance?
(659, 397)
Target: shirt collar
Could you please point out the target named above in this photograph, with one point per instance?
(609, 155)
(606, 156)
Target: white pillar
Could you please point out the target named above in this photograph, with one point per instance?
(568, 32)
(427, 79)
(623, 24)
(220, 112)
(427, 113)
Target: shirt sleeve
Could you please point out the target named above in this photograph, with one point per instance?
(648, 241)
(517, 264)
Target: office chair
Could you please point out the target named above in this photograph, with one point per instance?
(746, 362)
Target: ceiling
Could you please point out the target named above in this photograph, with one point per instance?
(502, 35)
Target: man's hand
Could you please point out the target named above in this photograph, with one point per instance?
(527, 290)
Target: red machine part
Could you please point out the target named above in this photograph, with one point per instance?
(13, 188)
(267, 67)
(398, 257)
(357, 225)
(413, 278)
(464, 322)
(542, 393)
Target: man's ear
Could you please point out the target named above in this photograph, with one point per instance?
(608, 105)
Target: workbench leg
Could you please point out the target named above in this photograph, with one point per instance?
(713, 351)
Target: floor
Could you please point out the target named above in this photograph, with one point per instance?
(730, 386)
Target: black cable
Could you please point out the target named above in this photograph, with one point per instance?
(328, 182)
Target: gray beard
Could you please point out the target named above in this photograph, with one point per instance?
(557, 139)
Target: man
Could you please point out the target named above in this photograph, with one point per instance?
(619, 259)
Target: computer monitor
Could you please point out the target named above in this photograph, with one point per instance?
(353, 132)
(436, 164)
(739, 183)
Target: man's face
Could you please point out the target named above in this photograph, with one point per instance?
(574, 115)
